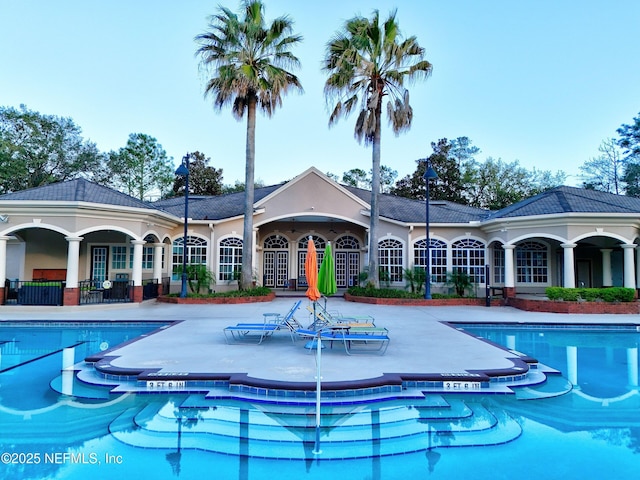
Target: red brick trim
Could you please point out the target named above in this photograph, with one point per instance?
(509, 292)
(137, 294)
(217, 300)
(553, 306)
(71, 296)
(435, 302)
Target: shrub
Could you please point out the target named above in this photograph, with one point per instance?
(460, 280)
(554, 293)
(415, 277)
(391, 293)
(611, 294)
(251, 292)
(589, 294)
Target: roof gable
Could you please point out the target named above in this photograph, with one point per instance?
(315, 179)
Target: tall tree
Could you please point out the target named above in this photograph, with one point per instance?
(448, 186)
(141, 168)
(606, 171)
(496, 184)
(203, 179)
(248, 61)
(492, 184)
(366, 61)
(631, 179)
(356, 177)
(630, 140)
(37, 149)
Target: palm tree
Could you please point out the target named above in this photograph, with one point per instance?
(248, 61)
(366, 61)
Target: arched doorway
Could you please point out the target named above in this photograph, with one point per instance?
(347, 253)
(275, 261)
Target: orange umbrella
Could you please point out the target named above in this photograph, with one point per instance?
(311, 272)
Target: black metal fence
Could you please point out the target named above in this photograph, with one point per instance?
(34, 292)
(116, 291)
(49, 292)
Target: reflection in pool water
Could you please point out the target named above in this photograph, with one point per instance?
(590, 430)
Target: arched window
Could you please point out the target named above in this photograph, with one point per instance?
(303, 243)
(275, 263)
(438, 263)
(390, 260)
(196, 254)
(276, 242)
(230, 258)
(347, 242)
(347, 256)
(467, 255)
(532, 263)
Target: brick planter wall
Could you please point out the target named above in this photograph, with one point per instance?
(435, 302)
(217, 300)
(554, 306)
(529, 305)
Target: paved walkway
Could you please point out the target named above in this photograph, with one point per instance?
(420, 342)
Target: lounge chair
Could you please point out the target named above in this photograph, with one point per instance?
(272, 322)
(324, 318)
(360, 342)
(248, 331)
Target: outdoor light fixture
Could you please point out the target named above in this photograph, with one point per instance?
(183, 171)
(429, 174)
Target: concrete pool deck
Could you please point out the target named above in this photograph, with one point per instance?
(422, 344)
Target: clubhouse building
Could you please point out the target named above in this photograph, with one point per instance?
(84, 243)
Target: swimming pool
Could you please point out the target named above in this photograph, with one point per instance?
(590, 431)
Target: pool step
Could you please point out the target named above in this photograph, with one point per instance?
(271, 431)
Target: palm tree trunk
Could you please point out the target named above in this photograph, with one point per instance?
(247, 235)
(375, 192)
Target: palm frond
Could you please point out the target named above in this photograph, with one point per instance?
(245, 57)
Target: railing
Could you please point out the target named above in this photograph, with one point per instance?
(166, 285)
(94, 291)
(34, 292)
(150, 289)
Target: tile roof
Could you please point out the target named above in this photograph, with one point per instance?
(216, 207)
(414, 211)
(77, 190)
(554, 201)
(570, 200)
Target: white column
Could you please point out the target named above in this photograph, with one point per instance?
(629, 265)
(606, 267)
(509, 271)
(3, 259)
(73, 260)
(137, 262)
(569, 280)
(157, 261)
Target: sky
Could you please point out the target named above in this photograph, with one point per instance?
(543, 82)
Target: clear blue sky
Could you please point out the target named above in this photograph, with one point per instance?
(542, 82)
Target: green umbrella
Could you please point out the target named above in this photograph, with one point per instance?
(327, 274)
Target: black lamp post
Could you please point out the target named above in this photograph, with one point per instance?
(429, 174)
(183, 171)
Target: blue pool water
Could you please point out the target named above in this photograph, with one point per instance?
(588, 430)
